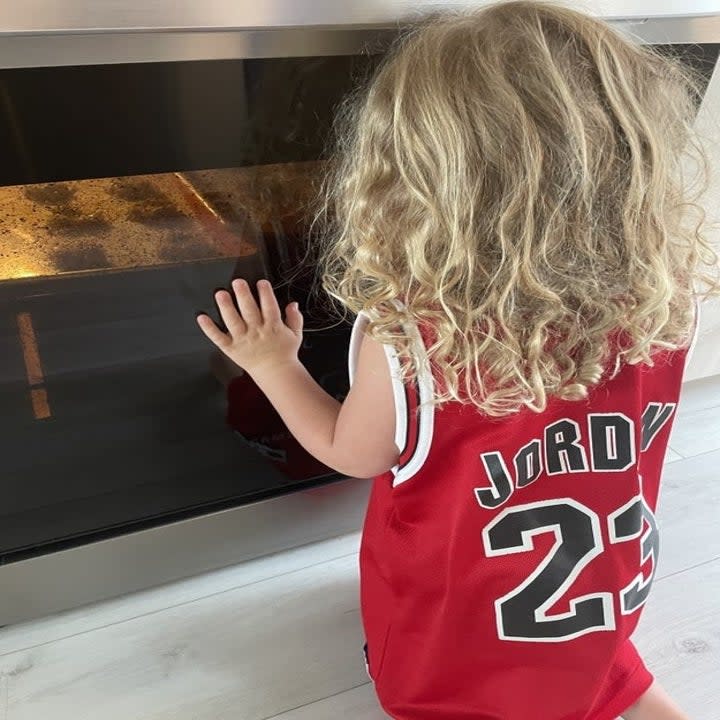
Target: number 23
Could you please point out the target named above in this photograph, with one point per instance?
(522, 614)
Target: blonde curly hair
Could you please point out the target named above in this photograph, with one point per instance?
(516, 176)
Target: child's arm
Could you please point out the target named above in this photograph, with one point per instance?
(355, 438)
(655, 704)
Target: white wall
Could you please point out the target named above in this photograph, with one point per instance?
(706, 358)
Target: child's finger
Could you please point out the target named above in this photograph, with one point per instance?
(229, 314)
(294, 318)
(212, 331)
(268, 302)
(246, 302)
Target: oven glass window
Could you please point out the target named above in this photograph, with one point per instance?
(117, 223)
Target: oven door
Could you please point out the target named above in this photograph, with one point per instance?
(128, 194)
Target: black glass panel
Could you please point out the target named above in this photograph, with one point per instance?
(114, 411)
(66, 123)
(115, 228)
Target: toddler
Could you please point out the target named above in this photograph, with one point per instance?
(509, 221)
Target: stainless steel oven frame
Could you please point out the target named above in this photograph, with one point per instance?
(44, 33)
(83, 33)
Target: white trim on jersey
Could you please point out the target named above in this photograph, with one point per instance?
(361, 322)
(425, 389)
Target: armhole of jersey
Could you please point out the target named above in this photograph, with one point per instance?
(413, 430)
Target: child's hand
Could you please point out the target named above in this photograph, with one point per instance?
(257, 338)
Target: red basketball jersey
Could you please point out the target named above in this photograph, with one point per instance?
(505, 562)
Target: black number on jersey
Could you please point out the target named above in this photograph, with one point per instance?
(524, 612)
(626, 524)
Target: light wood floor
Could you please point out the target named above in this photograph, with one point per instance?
(279, 638)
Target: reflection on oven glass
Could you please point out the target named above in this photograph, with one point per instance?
(111, 399)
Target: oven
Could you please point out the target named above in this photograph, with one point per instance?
(147, 157)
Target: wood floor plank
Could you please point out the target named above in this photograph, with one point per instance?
(3, 697)
(133, 605)
(697, 432)
(697, 426)
(688, 511)
(679, 638)
(358, 703)
(244, 654)
(701, 393)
